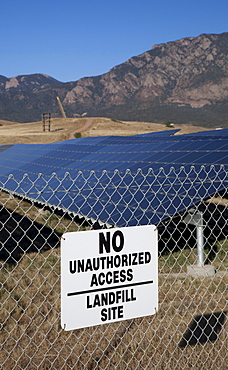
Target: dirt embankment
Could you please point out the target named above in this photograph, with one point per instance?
(63, 129)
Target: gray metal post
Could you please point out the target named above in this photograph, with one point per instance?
(200, 239)
(195, 217)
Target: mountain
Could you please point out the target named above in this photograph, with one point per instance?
(184, 81)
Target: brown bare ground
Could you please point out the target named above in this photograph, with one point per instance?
(63, 129)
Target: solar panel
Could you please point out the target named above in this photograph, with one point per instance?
(162, 187)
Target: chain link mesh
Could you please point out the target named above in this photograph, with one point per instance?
(190, 327)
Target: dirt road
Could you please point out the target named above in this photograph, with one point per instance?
(89, 122)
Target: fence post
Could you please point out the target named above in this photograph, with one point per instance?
(200, 239)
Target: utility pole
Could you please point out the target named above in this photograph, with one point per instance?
(61, 107)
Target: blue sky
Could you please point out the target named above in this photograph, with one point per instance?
(71, 39)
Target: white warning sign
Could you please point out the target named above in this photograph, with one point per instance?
(108, 275)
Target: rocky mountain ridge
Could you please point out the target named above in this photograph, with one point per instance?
(182, 81)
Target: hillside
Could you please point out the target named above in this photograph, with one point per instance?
(63, 129)
(184, 81)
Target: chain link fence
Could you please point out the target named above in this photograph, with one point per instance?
(188, 331)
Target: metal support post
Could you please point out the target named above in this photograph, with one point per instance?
(200, 239)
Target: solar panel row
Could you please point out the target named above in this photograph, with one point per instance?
(161, 188)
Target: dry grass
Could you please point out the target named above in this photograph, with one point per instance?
(63, 129)
(32, 335)
(32, 133)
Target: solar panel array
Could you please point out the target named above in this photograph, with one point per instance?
(137, 179)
